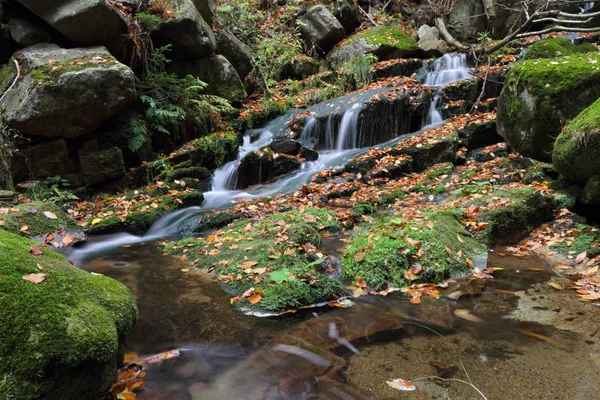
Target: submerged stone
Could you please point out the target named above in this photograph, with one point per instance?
(61, 338)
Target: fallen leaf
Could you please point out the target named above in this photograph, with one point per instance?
(67, 240)
(466, 314)
(24, 230)
(358, 257)
(555, 286)
(401, 384)
(35, 251)
(255, 298)
(459, 238)
(35, 278)
(470, 263)
(96, 221)
(50, 215)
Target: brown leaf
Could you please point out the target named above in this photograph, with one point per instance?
(35, 251)
(67, 240)
(24, 230)
(255, 298)
(555, 286)
(459, 238)
(35, 278)
(358, 257)
(581, 258)
(50, 215)
(470, 263)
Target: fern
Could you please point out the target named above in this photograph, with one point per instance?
(139, 134)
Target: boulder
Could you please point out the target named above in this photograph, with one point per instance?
(187, 33)
(557, 47)
(301, 67)
(590, 196)
(576, 154)
(6, 46)
(66, 93)
(348, 16)
(102, 166)
(430, 42)
(42, 160)
(537, 100)
(264, 166)
(385, 42)
(89, 22)
(26, 33)
(206, 9)
(217, 72)
(471, 17)
(286, 146)
(320, 29)
(236, 52)
(61, 338)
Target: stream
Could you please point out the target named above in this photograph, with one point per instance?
(479, 342)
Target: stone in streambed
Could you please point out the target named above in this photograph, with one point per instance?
(61, 338)
(286, 146)
(430, 42)
(320, 29)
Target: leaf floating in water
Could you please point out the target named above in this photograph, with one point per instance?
(35, 278)
(555, 286)
(401, 384)
(466, 314)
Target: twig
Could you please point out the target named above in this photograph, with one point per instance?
(451, 379)
(14, 82)
(367, 15)
(478, 102)
(439, 24)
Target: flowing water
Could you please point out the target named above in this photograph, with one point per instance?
(341, 353)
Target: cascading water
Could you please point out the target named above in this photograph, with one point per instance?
(348, 128)
(586, 7)
(434, 117)
(447, 69)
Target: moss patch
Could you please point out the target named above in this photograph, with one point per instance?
(70, 320)
(386, 36)
(275, 255)
(48, 74)
(557, 47)
(32, 215)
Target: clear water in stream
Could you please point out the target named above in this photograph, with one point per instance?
(341, 353)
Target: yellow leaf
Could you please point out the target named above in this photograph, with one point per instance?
(96, 221)
(555, 285)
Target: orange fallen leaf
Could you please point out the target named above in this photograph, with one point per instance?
(255, 298)
(35, 251)
(67, 240)
(35, 278)
(358, 257)
(555, 286)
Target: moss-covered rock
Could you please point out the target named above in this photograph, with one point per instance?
(264, 166)
(383, 41)
(399, 250)
(209, 151)
(275, 256)
(576, 152)
(557, 47)
(59, 339)
(32, 215)
(590, 196)
(537, 100)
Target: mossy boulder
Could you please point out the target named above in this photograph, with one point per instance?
(538, 100)
(264, 166)
(383, 41)
(32, 215)
(60, 339)
(576, 153)
(398, 250)
(275, 256)
(210, 151)
(557, 47)
(590, 196)
(57, 81)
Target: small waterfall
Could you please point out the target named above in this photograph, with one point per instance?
(329, 134)
(434, 117)
(586, 7)
(447, 69)
(225, 177)
(348, 128)
(309, 135)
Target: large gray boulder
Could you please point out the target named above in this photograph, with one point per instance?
(540, 97)
(66, 93)
(348, 16)
(430, 42)
(320, 28)
(187, 33)
(236, 52)
(85, 22)
(207, 10)
(385, 42)
(26, 33)
(217, 72)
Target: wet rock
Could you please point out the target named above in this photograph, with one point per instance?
(430, 42)
(236, 52)
(384, 42)
(187, 33)
(199, 178)
(102, 166)
(286, 146)
(320, 29)
(536, 102)
(88, 80)
(91, 22)
(262, 167)
(444, 150)
(79, 322)
(26, 33)
(217, 72)
(400, 67)
(478, 135)
(591, 192)
(309, 154)
(576, 153)
(301, 67)
(348, 16)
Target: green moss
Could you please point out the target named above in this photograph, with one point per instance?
(49, 74)
(440, 169)
(7, 75)
(250, 254)
(70, 320)
(585, 240)
(388, 248)
(385, 35)
(32, 215)
(212, 151)
(557, 47)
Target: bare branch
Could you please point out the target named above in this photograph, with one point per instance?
(367, 15)
(18, 67)
(439, 24)
(558, 29)
(562, 21)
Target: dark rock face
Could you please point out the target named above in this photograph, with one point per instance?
(236, 52)
(217, 72)
(26, 33)
(187, 32)
(83, 89)
(207, 10)
(6, 46)
(319, 28)
(479, 135)
(286, 146)
(43, 160)
(347, 14)
(301, 67)
(102, 166)
(263, 167)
